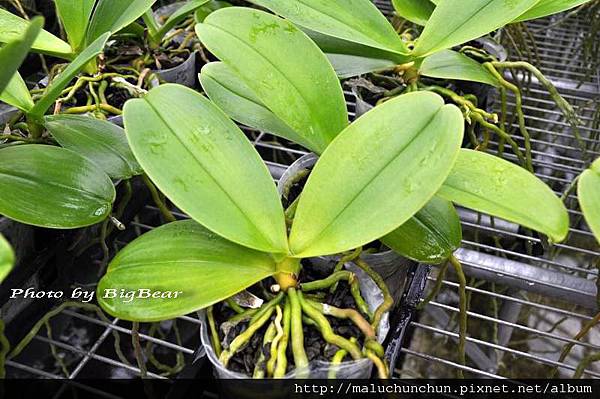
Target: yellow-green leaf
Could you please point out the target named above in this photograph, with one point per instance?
(588, 191)
(7, 258)
(184, 259)
(205, 164)
(499, 188)
(376, 174)
(448, 64)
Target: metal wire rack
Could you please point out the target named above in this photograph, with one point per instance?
(527, 300)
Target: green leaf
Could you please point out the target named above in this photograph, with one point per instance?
(74, 16)
(417, 11)
(549, 7)
(588, 191)
(357, 21)
(13, 27)
(64, 78)
(283, 67)
(376, 174)
(333, 45)
(13, 53)
(237, 100)
(52, 187)
(448, 64)
(180, 256)
(114, 15)
(430, 236)
(7, 258)
(347, 66)
(210, 7)
(17, 94)
(204, 163)
(101, 142)
(179, 15)
(499, 188)
(454, 22)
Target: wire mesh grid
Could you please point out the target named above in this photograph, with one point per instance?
(527, 300)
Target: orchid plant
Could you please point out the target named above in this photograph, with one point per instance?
(374, 175)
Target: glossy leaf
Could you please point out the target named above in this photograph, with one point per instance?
(237, 100)
(17, 94)
(357, 21)
(52, 187)
(417, 11)
(7, 258)
(454, 22)
(347, 66)
(13, 53)
(499, 188)
(548, 7)
(64, 78)
(74, 16)
(101, 142)
(204, 163)
(376, 174)
(114, 15)
(283, 67)
(210, 7)
(430, 236)
(179, 15)
(13, 27)
(588, 191)
(181, 256)
(334, 45)
(448, 64)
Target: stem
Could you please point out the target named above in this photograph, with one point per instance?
(587, 327)
(137, 349)
(519, 110)
(275, 341)
(4, 350)
(388, 301)
(287, 273)
(382, 370)
(463, 313)
(214, 334)
(300, 359)
(326, 329)
(584, 363)
(436, 289)
(281, 366)
(157, 201)
(351, 314)
(241, 340)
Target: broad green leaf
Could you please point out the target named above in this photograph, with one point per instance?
(210, 7)
(75, 16)
(376, 174)
(237, 100)
(283, 67)
(549, 7)
(357, 21)
(430, 236)
(204, 163)
(101, 142)
(52, 187)
(417, 11)
(448, 64)
(333, 45)
(64, 78)
(13, 27)
(454, 22)
(588, 191)
(179, 257)
(13, 54)
(499, 188)
(7, 258)
(114, 15)
(347, 66)
(179, 15)
(17, 94)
